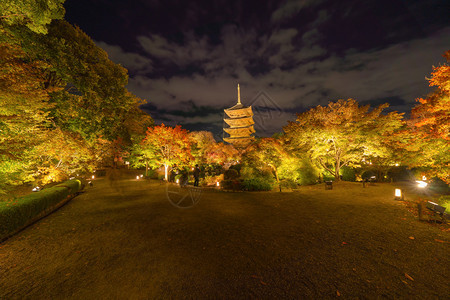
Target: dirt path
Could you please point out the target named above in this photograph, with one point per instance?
(127, 242)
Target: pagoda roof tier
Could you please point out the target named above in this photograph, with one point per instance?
(240, 122)
(240, 132)
(244, 141)
(239, 111)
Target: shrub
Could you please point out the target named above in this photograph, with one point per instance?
(19, 212)
(231, 174)
(445, 202)
(348, 173)
(258, 184)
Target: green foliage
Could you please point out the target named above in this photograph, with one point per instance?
(348, 174)
(341, 133)
(64, 108)
(17, 213)
(301, 171)
(35, 14)
(258, 184)
(445, 202)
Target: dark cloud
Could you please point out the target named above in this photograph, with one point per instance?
(186, 58)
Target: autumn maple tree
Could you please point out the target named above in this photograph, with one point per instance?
(164, 145)
(341, 134)
(430, 126)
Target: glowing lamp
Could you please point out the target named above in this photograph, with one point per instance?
(142, 175)
(137, 177)
(217, 183)
(36, 189)
(397, 164)
(424, 178)
(178, 180)
(421, 183)
(93, 177)
(127, 162)
(398, 195)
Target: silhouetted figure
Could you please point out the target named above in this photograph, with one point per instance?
(196, 175)
(173, 172)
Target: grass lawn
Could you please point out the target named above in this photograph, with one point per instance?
(126, 241)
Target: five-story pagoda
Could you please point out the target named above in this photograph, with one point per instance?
(240, 121)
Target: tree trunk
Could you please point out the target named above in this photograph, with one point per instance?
(166, 173)
(146, 168)
(337, 167)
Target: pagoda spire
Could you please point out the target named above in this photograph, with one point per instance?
(239, 95)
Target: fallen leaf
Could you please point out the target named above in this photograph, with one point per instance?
(409, 277)
(403, 281)
(68, 274)
(344, 243)
(440, 241)
(411, 238)
(262, 282)
(338, 294)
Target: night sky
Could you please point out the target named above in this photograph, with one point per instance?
(187, 57)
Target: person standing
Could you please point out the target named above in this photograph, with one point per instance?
(196, 175)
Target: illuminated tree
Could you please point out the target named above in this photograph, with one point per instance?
(60, 91)
(341, 134)
(266, 153)
(203, 144)
(165, 146)
(430, 126)
(24, 110)
(35, 14)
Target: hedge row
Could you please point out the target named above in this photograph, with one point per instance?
(16, 214)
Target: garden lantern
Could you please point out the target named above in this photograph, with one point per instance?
(398, 194)
(93, 177)
(137, 177)
(178, 181)
(217, 184)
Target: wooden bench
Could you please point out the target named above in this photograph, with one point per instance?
(437, 210)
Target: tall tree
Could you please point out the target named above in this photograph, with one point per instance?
(341, 133)
(164, 145)
(24, 109)
(430, 126)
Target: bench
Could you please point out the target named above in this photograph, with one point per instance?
(437, 209)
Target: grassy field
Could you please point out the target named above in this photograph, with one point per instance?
(125, 240)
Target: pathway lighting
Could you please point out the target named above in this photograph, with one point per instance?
(424, 178)
(178, 180)
(93, 177)
(398, 194)
(36, 189)
(421, 184)
(217, 184)
(137, 177)
(142, 175)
